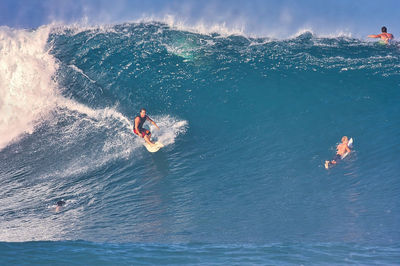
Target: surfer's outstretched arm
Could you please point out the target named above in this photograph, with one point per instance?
(154, 123)
(374, 36)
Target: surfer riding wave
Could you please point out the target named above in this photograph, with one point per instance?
(138, 128)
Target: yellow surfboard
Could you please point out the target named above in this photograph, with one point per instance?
(153, 148)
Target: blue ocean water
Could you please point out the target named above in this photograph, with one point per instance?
(247, 123)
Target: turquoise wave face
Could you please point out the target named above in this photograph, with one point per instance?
(247, 123)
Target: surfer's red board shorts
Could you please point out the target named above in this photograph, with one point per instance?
(143, 132)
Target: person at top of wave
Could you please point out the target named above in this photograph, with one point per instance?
(341, 150)
(139, 130)
(385, 37)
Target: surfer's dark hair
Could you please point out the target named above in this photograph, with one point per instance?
(60, 203)
(143, 109)
(384, 29)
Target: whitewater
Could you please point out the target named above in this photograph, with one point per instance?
(247, 124)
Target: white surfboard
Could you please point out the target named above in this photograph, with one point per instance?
(350, 144)
(153, 148)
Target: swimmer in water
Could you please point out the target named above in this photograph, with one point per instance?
(385, 37)
(60, 204)
(341, 150)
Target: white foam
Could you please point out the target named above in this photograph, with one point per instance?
(95, 114)
(79, 27)
(203, 27)
(170, 128)
(239, 28)
(200, 27)
(182, 50)
(27, 88)
(333, 35)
